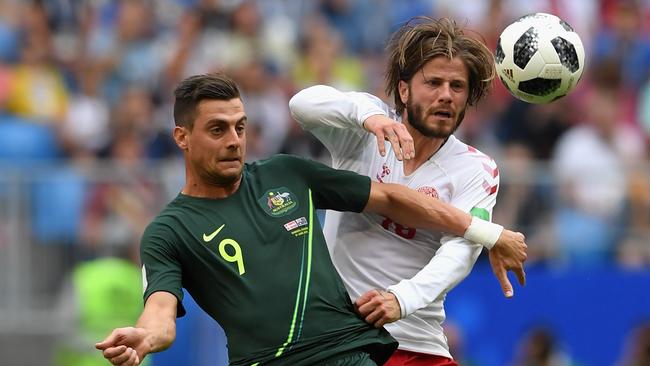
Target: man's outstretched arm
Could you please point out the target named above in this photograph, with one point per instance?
(155, 331)
(401, 204)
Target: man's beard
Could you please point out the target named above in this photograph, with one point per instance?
(416, 119)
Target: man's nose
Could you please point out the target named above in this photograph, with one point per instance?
(233, 139)
(445, 92)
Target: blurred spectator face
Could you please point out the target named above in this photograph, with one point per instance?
(336, 6)
(252, 77)
(246, 19)
(128, 148)
(136, 109)
(36, 42)
(603, 111)
(133, 20)
(627, 18)
(540, 345)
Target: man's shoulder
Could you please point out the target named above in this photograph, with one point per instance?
(279, 164)
(166, 218)
(461, 154)
(276, 159)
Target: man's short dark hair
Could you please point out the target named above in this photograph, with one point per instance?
(191, 91)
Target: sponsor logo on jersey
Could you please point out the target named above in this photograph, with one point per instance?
(278, 202)
(297, 226)
(429, 191)
(208, 238)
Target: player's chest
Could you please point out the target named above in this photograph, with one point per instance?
(428, 179)
(248, 235)
(265, 216)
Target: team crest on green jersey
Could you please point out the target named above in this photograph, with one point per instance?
(278, 202)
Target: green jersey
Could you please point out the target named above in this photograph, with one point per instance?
(257, 262)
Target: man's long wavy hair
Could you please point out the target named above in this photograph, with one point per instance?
(422, 39)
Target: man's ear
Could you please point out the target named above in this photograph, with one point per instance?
(403, 87)
(181, 135)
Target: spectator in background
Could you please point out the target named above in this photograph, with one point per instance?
(9, 38)
(456, 342)
(637, 352)
(361, 23)
(621, 40)
(37, 89)
(539, 347)
(644, 109)
(124, 48)
(590, 162)
(86, 130)
(101, 294)
(267, 109)
(527, 134)
(119, 207)
(323, 59)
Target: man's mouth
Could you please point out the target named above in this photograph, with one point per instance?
(443, 114)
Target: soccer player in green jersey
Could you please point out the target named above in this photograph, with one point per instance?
(244, 240)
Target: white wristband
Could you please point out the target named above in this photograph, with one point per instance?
(483, 232)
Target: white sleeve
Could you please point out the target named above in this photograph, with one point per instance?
(455, 258)
(336, 118)
(451, 264)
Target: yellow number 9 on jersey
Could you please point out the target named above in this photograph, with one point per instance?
(236, 257)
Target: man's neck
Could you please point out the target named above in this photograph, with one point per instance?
(424, 146)
(200, 188)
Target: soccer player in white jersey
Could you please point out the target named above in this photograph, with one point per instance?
(434, 72)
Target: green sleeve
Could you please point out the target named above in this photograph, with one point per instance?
(161, 269)
(340, 190)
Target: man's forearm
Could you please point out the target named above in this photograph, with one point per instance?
(414, 209)
(451, 264)
(409, 207)
(161, 332)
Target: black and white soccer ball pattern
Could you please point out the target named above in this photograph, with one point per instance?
(539, 58)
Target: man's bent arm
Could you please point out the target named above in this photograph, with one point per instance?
(402, 204)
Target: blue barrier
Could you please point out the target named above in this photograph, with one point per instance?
(591, 312)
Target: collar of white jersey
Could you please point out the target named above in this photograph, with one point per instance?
(445, 149)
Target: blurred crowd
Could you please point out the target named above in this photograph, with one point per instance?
(87, 86)
(89, 81)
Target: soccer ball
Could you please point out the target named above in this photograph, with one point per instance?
(539, 58)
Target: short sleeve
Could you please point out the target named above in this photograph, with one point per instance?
(161, 269)
(334, 189)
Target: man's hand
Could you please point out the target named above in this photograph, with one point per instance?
(392, 131)
(509, 254)
(124, 346)
(378, 307)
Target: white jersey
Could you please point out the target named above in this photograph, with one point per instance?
(371, 251)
